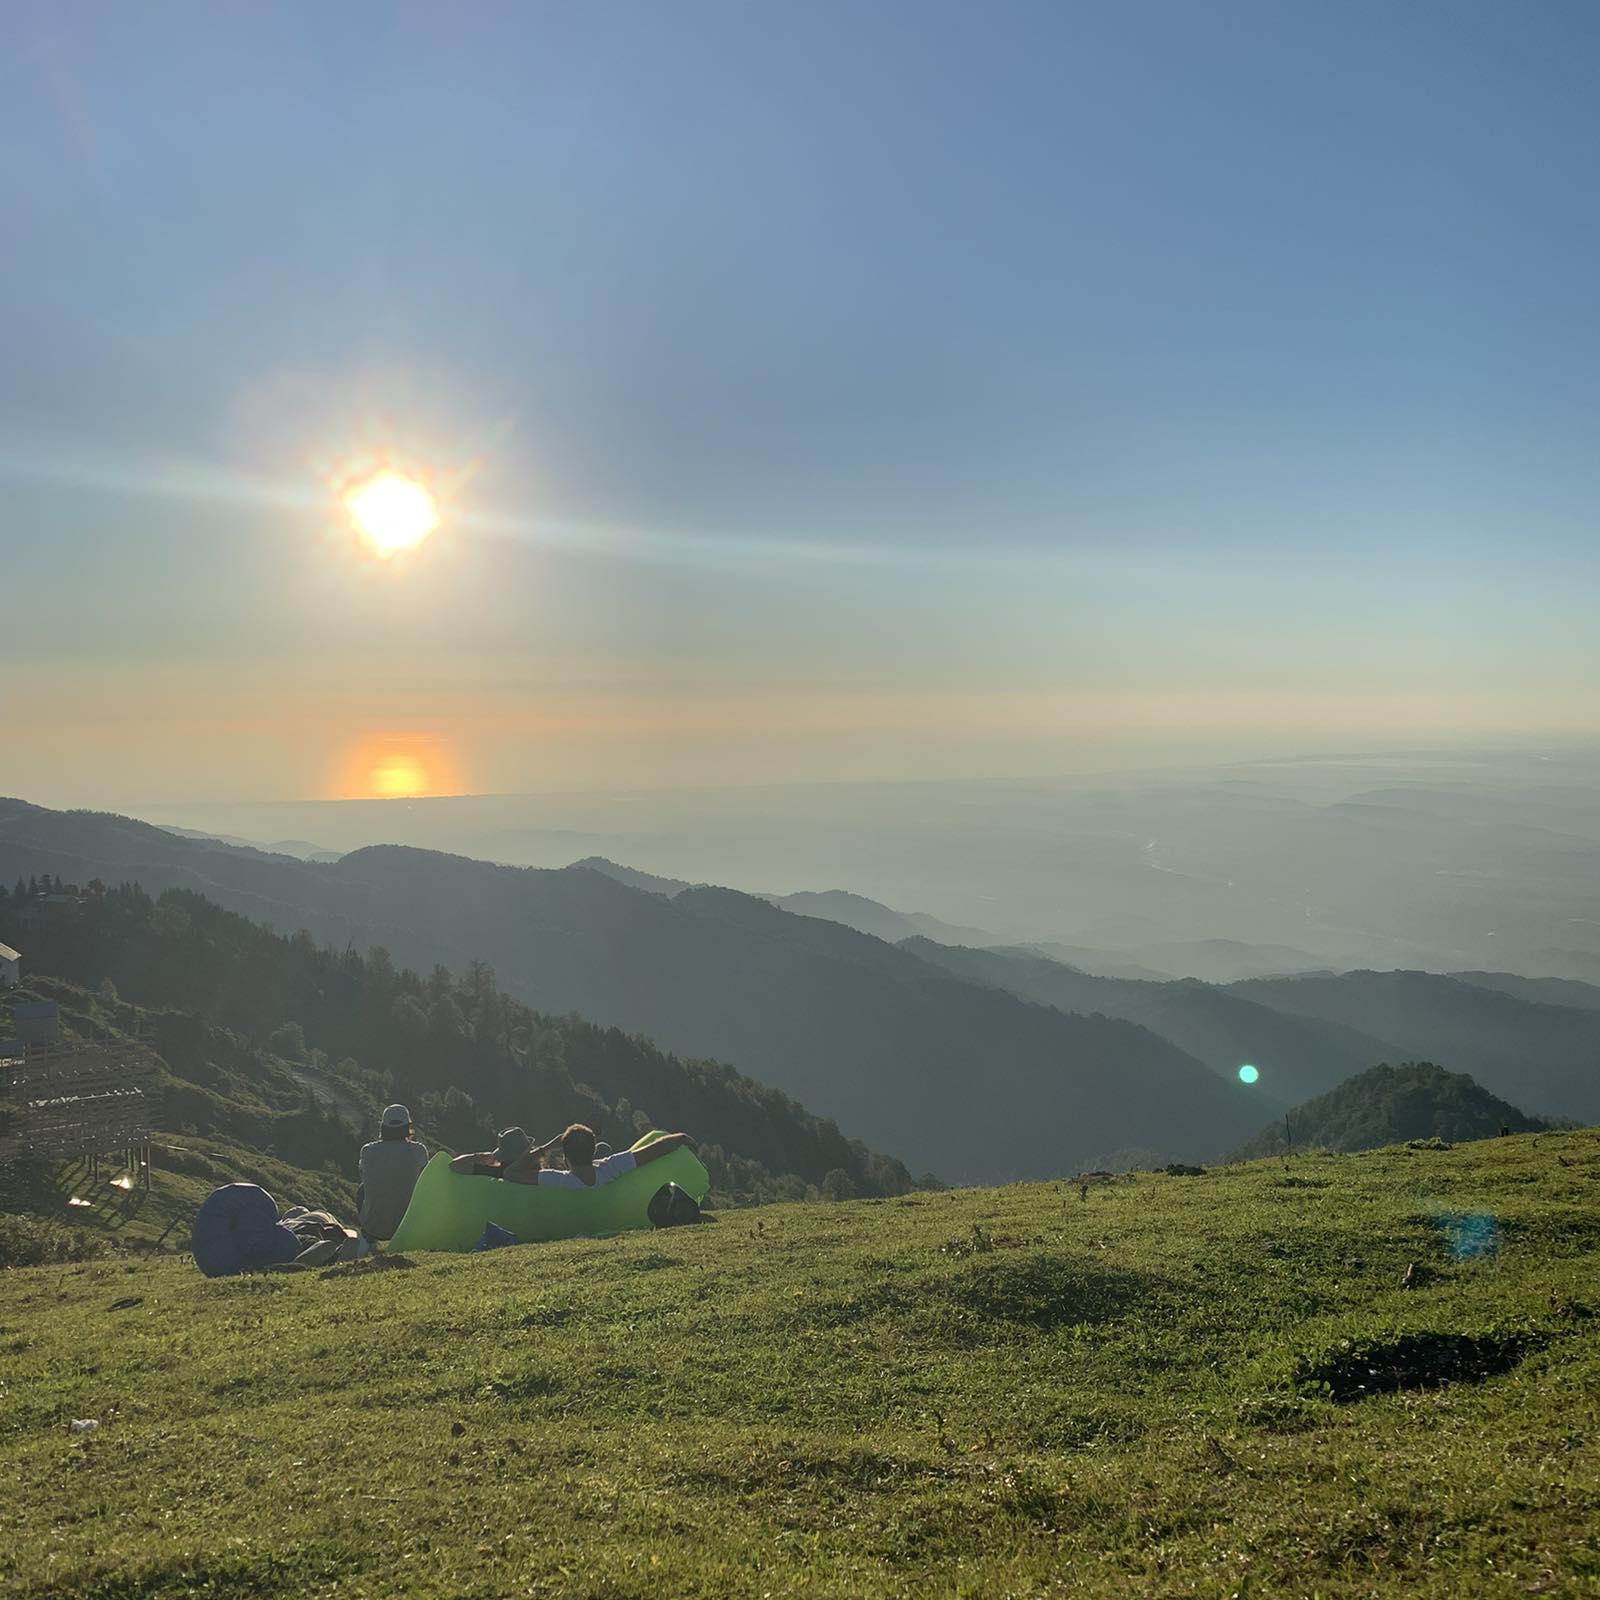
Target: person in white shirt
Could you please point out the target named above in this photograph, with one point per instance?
(584, 1171)
(389, 1167)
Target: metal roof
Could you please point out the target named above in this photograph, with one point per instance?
(8, 954)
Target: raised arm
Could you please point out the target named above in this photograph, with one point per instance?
(664, 1146)
(470, 1161)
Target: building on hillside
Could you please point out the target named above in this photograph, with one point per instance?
(10, 967)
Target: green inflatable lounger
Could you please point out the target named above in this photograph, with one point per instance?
(448, 1210)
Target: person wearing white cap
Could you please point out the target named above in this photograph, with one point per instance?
(390, 1166)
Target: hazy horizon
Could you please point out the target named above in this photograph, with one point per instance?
(1449, 859)
(1129, 758)
(1091, 386)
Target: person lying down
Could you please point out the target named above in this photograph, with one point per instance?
(516, 1159)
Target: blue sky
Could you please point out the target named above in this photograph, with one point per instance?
(856, 390)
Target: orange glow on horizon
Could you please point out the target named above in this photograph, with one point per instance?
(398, 766)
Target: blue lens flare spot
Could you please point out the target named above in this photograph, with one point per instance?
(1248, 1074)
(1471, 1235)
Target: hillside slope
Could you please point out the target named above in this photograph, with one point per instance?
(1543, 991)
(832, 905)
(871, 916)
(1296, 1056)
(958, 1078)
(967, 1081)
(1225, 960)
(238, 1012)
(1389, 1105)
(1541, 1056)
(1209, 1385)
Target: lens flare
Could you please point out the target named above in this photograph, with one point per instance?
(1470, 1235)
(1248, 1074)
(391, 511)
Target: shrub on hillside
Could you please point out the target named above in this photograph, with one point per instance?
(39, 1242)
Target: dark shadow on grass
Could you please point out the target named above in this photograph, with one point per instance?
(1046, 1291)
(523, 1386)
(547, 1317)
(1413, 1361)
(649, 1261)
(994, 1294)
(367, 1266)
(782, 1470)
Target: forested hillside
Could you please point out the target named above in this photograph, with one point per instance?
(1546, 1057)
(264, 1035)
(970, 1081)
(1388, 1105)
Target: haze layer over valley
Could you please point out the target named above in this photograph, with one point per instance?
(1486, 859)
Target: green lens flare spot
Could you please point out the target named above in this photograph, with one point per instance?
(1248, 1074)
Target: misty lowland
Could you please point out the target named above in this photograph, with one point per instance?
(799, 799)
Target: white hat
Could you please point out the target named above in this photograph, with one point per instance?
(396, 1117)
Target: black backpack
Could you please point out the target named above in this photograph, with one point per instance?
(672, 1207)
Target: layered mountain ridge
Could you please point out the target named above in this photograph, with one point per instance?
(977, 1064)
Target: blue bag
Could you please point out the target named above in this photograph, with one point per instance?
(236, 1229)
(494, 1237)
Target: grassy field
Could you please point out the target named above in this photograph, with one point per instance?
(1209, 1385)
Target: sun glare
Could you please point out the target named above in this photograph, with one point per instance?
(392, 512)
(398, 766)
(396, 777)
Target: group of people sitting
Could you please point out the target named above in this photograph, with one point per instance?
(392, 1163)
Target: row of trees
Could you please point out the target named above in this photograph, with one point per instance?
(37, 888)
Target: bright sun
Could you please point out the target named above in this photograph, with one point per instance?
(392, 512)
(396, 777)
